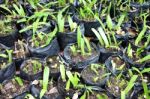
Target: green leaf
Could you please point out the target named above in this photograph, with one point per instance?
(43, 91)
(146, 58)
(9, 55)
(109, 22)
(146, 93)
(98, 36)
(74, 79)
(145, 70)
(19, 80)
(3, 55)
(5, 8)
(120, 21)
(79, 37)
(100, 21)
(62, 72)
(82, 47)
(45, 81)
(46, 77)
(87, 44)
(123, 96)
(130, 84)
(140, 35)
(68, 85)
(103, 36)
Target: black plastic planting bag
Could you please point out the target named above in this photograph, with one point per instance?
(8, 72)
(88, 25)
(104, 54)
(80, 65)
(88, 76)
(27, 76)
(113, 70)
(21, 96)
(9, 40)
(50, 50)
(67, 38)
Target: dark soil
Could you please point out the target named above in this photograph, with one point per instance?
(11, 89)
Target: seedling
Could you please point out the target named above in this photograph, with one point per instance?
(82, 45)
(42, 39)
(61, 20)
(73, 78)
(45, 81)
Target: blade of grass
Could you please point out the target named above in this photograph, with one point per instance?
(130, 84)
(103, 36)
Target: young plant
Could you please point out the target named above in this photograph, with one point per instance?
(87, 14)
(73, 78)
(18, 11)
(82, 44)
(129, 86)
(61, 20)
(72, 24)
(45, 81)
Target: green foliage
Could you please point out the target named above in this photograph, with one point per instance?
(73, 78)
(45, 81)
(130, 84)
(19, 80)
(63, 72)
(82, 44)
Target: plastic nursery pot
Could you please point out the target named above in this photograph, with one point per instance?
(68, 37)
(8, 40)
(105, 53)
(116, 65)
(79, 61)
(95, 74)
(53, 62)
(12, 88)
(114, 86)
(8, 33)
(88, 25)
(20, 52)
(42, 52)
(52, 92)
(31, 69)
(133, 60)
(7, 70)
